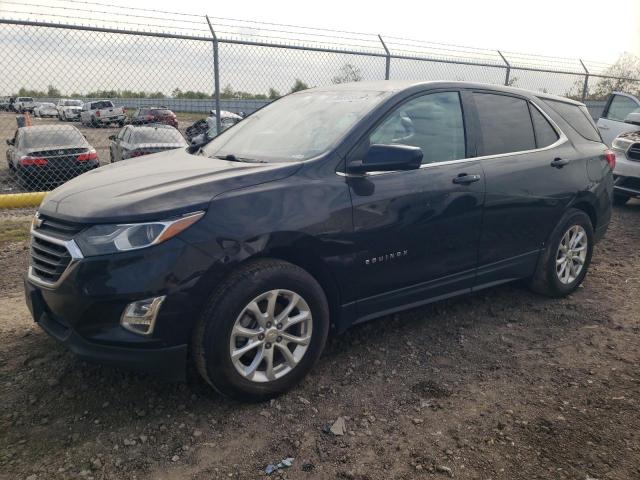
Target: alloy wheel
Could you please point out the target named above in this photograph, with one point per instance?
(571, 254)
(271, 335)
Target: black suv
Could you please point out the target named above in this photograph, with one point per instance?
(326, 208)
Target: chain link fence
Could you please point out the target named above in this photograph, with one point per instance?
(141, 81)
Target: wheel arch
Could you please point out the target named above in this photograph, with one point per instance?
(314, 266)
(589, 209)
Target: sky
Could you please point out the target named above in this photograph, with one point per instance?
(597, 30)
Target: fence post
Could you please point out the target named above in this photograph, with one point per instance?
(506, 77)
(387, 69)
(216, 73)
(585, 87)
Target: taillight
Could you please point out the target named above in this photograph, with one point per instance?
(610, 157)
(37, 161)
(85, 157)
(97, 113)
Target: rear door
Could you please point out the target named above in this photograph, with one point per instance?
(417, 231)
(612, 123)
(531, 172)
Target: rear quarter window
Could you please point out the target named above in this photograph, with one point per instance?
(577, 116)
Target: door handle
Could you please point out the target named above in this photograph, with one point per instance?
(559, 162)
(465, 179)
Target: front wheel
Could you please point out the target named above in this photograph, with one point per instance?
(566, 259)
(262, 330)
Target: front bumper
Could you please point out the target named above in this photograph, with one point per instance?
(626, 175)
(83, 310)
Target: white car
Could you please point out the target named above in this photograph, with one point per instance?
(45, 109)
(24, 104)
(101, 112)
(69, 109)
(627, 170)
(614, 120)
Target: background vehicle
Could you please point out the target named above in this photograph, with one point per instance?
(4, 104)
(136, 141)
(616, 113)
(45, 109)
(46, 156)
(69, 109)
(627, 172)
(143, 116)
(200, 127)
(101, 112)
(24, 104)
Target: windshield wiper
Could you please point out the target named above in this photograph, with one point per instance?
(232, 158)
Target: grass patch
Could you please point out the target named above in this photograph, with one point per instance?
(14, 230)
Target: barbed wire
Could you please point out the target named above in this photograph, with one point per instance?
(138, 18)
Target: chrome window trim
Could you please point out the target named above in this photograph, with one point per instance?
(562, 138)
(72, 248)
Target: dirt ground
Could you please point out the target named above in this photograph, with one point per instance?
(502, 384)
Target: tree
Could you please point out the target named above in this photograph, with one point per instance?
(348, 73)
(298, 85)
(625, 69)
(53, 91)
(273, 94)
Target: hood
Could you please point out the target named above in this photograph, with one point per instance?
(155, 186)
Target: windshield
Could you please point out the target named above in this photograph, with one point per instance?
(157, 135)
(52, 137)
(25, 99)
(73, 103)
(296, 127)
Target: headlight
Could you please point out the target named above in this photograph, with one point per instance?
(621, 143)
(103, 239)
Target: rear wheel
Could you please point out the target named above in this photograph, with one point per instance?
(262, 330)
(566, 259)
(619, 199)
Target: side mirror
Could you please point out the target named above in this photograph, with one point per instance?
(388, 158)
(633, 118)
(112, 137)
(10, 141)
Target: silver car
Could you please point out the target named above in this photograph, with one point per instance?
(45, 109)
(627, 170)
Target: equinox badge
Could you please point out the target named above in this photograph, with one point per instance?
(386, 257)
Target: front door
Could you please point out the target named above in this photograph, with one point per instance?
(612, 123)
(417, 232)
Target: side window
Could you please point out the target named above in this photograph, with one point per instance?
(505, 123)
(121, 133)
(545, 133)
(620, 107)
(432, 122)
(577, 116)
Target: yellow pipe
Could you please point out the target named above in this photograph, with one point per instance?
(21, 200)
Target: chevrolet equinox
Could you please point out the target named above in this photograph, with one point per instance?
(326, 208)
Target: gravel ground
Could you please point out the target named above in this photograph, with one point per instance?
(502, 384)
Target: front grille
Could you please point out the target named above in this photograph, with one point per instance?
(48, 259)
(629, 182)
(634, 152)
(58, 228)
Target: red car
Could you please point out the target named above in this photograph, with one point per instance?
(143, 116)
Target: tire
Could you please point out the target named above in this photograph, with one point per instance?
(620, 200)
(227, 308)
(550, 279)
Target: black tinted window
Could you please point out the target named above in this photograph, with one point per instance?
(578, 117)
(545, 134)
(432, 122)
(51, 137)
(505, 124)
